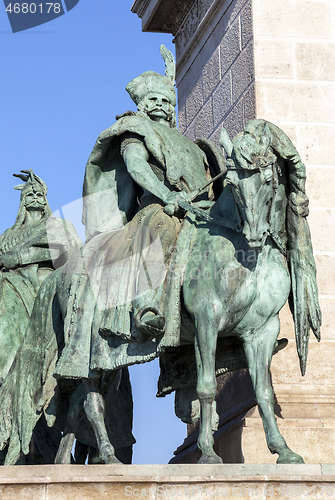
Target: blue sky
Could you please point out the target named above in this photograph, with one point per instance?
(62, 84)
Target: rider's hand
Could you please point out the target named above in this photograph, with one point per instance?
(173, 198)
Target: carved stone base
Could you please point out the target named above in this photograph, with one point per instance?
(115, 482)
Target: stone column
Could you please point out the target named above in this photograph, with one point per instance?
(271, 59)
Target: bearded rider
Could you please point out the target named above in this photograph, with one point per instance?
(139, 171)
(119, 296)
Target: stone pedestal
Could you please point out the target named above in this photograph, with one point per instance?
(116, 482)
(271, 59)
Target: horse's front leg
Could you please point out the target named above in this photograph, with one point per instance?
(94, 406)
(259, 352)
(205, 351)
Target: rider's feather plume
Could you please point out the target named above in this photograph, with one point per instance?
(170, 65)
(28, 176)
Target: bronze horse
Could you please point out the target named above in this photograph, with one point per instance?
(240, 290)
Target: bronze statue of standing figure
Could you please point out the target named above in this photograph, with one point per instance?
(37, 244)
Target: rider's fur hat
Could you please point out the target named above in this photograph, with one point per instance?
(150, 81)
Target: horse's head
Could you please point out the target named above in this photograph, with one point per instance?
(251, 172)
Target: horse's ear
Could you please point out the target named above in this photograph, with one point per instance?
(225, 142)
(265, 140)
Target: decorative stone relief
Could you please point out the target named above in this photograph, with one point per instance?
(191, 23)
(175, 17)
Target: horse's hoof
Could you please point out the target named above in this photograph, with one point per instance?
(64, 461)
(107, 456)
(210, 459)
(289, 457)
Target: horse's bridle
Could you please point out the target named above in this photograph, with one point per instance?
(221, 221)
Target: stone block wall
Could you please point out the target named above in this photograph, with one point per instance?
(295, 88)
(276, 60)
(215, 44)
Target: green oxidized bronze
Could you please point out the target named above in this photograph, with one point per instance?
(172, 263)
(29, 252)
(26, 260)
(241, 288)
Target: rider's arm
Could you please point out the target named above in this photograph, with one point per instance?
(136, 156)
(30, 255)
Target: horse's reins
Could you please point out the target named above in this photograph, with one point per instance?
(202, 214)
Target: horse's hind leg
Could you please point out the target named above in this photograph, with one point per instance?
(94, 406)
(259, 351)
(205, 350)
